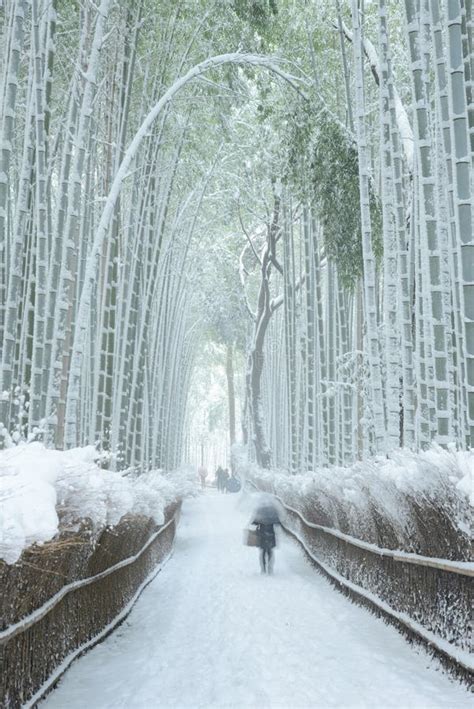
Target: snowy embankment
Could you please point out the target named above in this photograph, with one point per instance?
(44, 491)
(414, 502)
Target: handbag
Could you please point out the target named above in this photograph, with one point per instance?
(251, 537)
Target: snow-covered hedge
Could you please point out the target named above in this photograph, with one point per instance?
(43, 490)
(415, 502)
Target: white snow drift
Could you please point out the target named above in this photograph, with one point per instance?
(38, 485)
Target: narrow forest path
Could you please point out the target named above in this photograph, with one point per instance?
(211, 631)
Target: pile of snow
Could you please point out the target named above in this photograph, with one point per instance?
(418, 502)
(39, 485)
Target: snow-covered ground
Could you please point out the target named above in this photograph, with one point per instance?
(211, 631)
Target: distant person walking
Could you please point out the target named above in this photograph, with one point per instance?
(219, 478)
(265, 518)
(202, 472)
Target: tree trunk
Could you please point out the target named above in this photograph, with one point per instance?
(369, 279)
(229, 370)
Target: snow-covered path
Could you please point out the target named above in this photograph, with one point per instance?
(211, 631)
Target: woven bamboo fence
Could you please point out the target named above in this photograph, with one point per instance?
(65, 596)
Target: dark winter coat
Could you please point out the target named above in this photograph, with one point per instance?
(265, 535)
(220, 478)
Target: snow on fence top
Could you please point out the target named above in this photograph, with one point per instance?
(382, 500)
(38, 486)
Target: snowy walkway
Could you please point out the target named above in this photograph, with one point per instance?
(211, 631)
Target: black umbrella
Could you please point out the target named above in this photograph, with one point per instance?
(266, 514)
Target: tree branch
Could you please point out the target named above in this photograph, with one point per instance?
(280, 299)
(248, 236)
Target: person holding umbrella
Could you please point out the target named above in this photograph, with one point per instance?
(265, 518)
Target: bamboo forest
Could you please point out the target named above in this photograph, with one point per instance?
(236, 305)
